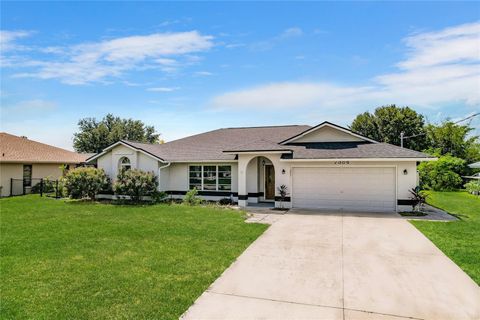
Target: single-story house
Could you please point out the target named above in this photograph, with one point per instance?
(24, 162)
(323, 167)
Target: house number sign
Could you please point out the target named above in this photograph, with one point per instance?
(341, 162)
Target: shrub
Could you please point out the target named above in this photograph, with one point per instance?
(443, 174)
(473, 187)
(159, 196)
(191, 198)
(418, 199)
(84, 182)
(48, 186)
(136, 184)
(283, 191)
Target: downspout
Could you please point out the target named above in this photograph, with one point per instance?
(160, 173)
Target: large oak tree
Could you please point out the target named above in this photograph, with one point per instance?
(94, 136)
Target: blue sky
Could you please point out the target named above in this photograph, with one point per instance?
(190, 67)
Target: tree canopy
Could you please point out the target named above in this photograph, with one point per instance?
(94, 136)
(387, 123)
(453, 139)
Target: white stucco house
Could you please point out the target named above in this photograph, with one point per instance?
(323, 167)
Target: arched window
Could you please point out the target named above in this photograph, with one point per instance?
(125, 164)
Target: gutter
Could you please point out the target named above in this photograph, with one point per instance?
(163, 167)
(357, 159)
(160, 173)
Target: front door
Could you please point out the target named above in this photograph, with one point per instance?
(269, 182)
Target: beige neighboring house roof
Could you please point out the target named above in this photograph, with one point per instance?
(14, 149)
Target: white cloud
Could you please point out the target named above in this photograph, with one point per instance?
(203, 73)
(441, 67)
(234, 45)
(456, 44)
(163, 89)
(292, 32)
(8, 39)
(270, 43)
(100, 61)
(166, 61)
(290, 95)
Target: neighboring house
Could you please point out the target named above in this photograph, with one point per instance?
(323, 167)
(24, 162)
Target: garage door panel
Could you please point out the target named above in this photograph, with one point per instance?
(347, 188)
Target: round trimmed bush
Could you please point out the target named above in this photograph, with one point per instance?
(136, 184)
(85, 182)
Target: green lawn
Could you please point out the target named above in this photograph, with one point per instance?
(76, 260)
(460, 240)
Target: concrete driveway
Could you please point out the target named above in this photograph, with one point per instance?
(340, 266)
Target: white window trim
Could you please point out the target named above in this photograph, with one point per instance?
(216, 176)
(122, 165)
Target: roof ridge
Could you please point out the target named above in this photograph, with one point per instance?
(270, 126)
(139, 142)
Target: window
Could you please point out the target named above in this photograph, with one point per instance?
(224, 178)
(196, 177)
(125, 164)
(27, 175)
(210, 178)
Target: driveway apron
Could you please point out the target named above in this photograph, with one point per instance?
(311, 265)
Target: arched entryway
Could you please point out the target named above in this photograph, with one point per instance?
(266, 179)
(258, 181)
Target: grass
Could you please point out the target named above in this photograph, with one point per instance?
(459, 240)
(76, 260)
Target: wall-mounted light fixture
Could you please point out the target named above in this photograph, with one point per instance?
(405, 172)
(283, 171)
(263, 162)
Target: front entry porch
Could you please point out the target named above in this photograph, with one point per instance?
(259, 177)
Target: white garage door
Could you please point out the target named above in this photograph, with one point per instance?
(355, 189)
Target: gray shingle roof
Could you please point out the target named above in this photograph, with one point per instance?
(210, 145)
(261, 144)
(221, 144)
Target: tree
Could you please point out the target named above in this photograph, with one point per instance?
(365, 124)
(453, 139)
(94, 136)
(387, 123)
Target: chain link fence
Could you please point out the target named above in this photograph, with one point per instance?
(44, 187)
